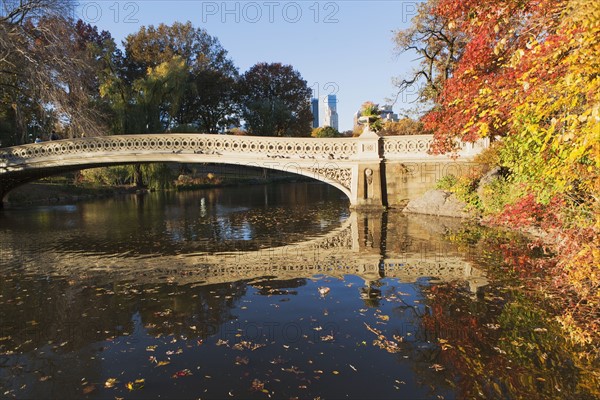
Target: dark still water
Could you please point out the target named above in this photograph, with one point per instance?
(266, 292)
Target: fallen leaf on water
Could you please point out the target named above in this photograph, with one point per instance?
(110, 382)
(247, 345)
(293, 369)
(336, 372)
(136, 385)
(182, 373)
(323, 290)
(352, 366)
(258, 386)
(89, 389)
(327, 338)
(437, 367)
(162, 363)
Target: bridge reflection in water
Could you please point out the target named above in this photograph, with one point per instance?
(372, 246)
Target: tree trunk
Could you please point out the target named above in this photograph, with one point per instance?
(137, 176)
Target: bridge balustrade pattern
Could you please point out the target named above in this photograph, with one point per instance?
(338, 161)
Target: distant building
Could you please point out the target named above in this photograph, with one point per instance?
(355, 120)
(314, 106)
(387, 114)
(331, 115)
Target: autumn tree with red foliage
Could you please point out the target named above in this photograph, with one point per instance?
(528, 75)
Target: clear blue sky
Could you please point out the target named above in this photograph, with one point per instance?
(341, 47)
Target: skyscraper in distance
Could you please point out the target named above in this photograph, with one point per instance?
(314, 106)
(331, 115)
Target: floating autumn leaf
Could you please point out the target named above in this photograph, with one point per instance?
(89, 389)
(293, 369)
(110, 382)
(182, 373)
(327, 338)
(437, 367)
(323, 290)
(243, 345)
(135, 385)
(258, 386)
(162, 363)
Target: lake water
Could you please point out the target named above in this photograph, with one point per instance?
(275, 291)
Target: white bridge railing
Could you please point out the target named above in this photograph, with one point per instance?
(390, 147)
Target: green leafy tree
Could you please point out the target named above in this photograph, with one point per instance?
(325, 132)
(209, 101)
(275, 101)
(405, 126)
(206, 102)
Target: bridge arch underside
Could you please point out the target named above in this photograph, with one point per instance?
(328, 172)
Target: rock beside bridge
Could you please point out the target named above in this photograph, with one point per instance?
(440, 203)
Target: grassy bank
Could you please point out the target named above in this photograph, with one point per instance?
(72, 187)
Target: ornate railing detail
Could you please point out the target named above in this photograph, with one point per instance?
(403, 145)
(340, 149)
(417, 146)
(269, 147)
(343, 176)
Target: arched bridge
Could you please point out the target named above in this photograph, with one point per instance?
(372, 171)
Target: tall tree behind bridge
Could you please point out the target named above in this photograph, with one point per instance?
(45, 71)
(275, 101)
(204, 100)
(438, 45)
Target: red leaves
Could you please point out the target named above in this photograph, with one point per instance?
(527, 212)
(485, 86)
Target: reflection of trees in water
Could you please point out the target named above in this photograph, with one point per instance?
(195, 312)
(371, 294)
(167, 224)
(273, 287)
(52, 326)
(38, 312)
(483, 341)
